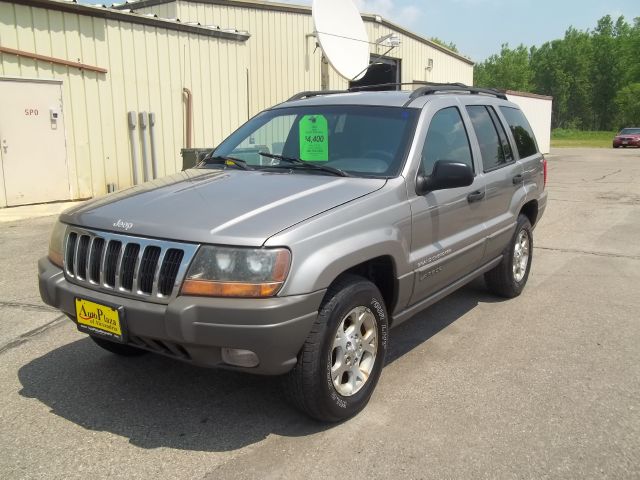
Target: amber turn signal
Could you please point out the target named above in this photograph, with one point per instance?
(56, 258)
(209, 288)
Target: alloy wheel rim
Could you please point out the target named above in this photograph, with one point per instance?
(354, 351)
(521, 255)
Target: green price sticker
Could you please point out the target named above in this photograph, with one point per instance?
(314, 138)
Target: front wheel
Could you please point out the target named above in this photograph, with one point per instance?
(341, 360)
(510, 276)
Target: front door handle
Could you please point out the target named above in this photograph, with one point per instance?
(517, 179)
(475, 196)
(4, 145)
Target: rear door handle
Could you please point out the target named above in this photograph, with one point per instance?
(517, 179)
(475, 196)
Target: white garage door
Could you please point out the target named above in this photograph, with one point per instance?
(32, 142)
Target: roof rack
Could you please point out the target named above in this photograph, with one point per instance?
(431, 88)
(370, 87)
(311, 93)
(426, 88)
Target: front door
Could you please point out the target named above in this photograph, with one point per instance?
(448, 232)
(32, 142)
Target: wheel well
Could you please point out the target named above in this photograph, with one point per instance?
(530, 209)
(382, 273)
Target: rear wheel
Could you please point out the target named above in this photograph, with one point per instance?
(118, 348)
(341, 360)
(510, 276)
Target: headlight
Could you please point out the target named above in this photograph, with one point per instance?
(237, 272)
(56, 244)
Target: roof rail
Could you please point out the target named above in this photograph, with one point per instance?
(432, 88)
(370, 87)
(309, 94)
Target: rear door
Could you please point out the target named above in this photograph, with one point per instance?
(527, 149)
(502, 173)
(448, 233)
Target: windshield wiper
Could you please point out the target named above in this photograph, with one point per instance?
(299, 163)
(227, 161)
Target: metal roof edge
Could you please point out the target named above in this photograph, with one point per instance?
(117, 14)
(527, 94)
(255, 4)
(302, 9)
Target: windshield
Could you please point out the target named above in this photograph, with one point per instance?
(630, 131)
(365, 141)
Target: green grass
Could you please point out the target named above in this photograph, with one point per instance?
(561, 137)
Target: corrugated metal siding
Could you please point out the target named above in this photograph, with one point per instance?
(282, 60)
(147, 69)
(148, 66)
(279, 64)
(164, 10)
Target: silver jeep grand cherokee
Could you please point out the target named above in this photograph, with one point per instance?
(295, 244)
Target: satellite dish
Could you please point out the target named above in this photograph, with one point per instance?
(342, 36)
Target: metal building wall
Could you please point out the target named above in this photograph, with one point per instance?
(537, 109)
(283, 59)
(164, 10)
(147, 68)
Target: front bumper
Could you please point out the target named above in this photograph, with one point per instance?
(630, 142)
(195, 329)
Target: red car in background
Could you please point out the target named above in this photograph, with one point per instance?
(628, 137)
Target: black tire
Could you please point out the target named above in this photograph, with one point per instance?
(118, 348)
(309, 386)
(501, 279)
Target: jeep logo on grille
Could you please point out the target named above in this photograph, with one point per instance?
(122, 224)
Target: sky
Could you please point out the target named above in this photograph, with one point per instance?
(479, 27)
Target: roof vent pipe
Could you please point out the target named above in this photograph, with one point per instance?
(143, 145)
(132, 120)
(189, 116)
(152, 142)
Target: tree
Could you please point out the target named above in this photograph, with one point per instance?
(508, 70)
(550, 78)
(628, 106)
(607, 72)
(588, 73)
(450, 45)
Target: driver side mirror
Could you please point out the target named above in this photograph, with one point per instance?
(446, 174)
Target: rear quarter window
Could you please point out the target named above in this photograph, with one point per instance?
(521, 130)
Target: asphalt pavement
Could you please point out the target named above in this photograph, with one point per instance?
(543, 386)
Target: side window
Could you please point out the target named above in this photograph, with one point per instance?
(504, 140)
(491, 147)
(522, 132)
(446, 140)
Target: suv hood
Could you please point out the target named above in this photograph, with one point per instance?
(219, 206)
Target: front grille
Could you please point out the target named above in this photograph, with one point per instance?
(148, 268)
(128, 266)
(110, 263)
(169, 270)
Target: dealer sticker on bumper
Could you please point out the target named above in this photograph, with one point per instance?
(96, 318)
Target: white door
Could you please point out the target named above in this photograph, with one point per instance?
(32, 142)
